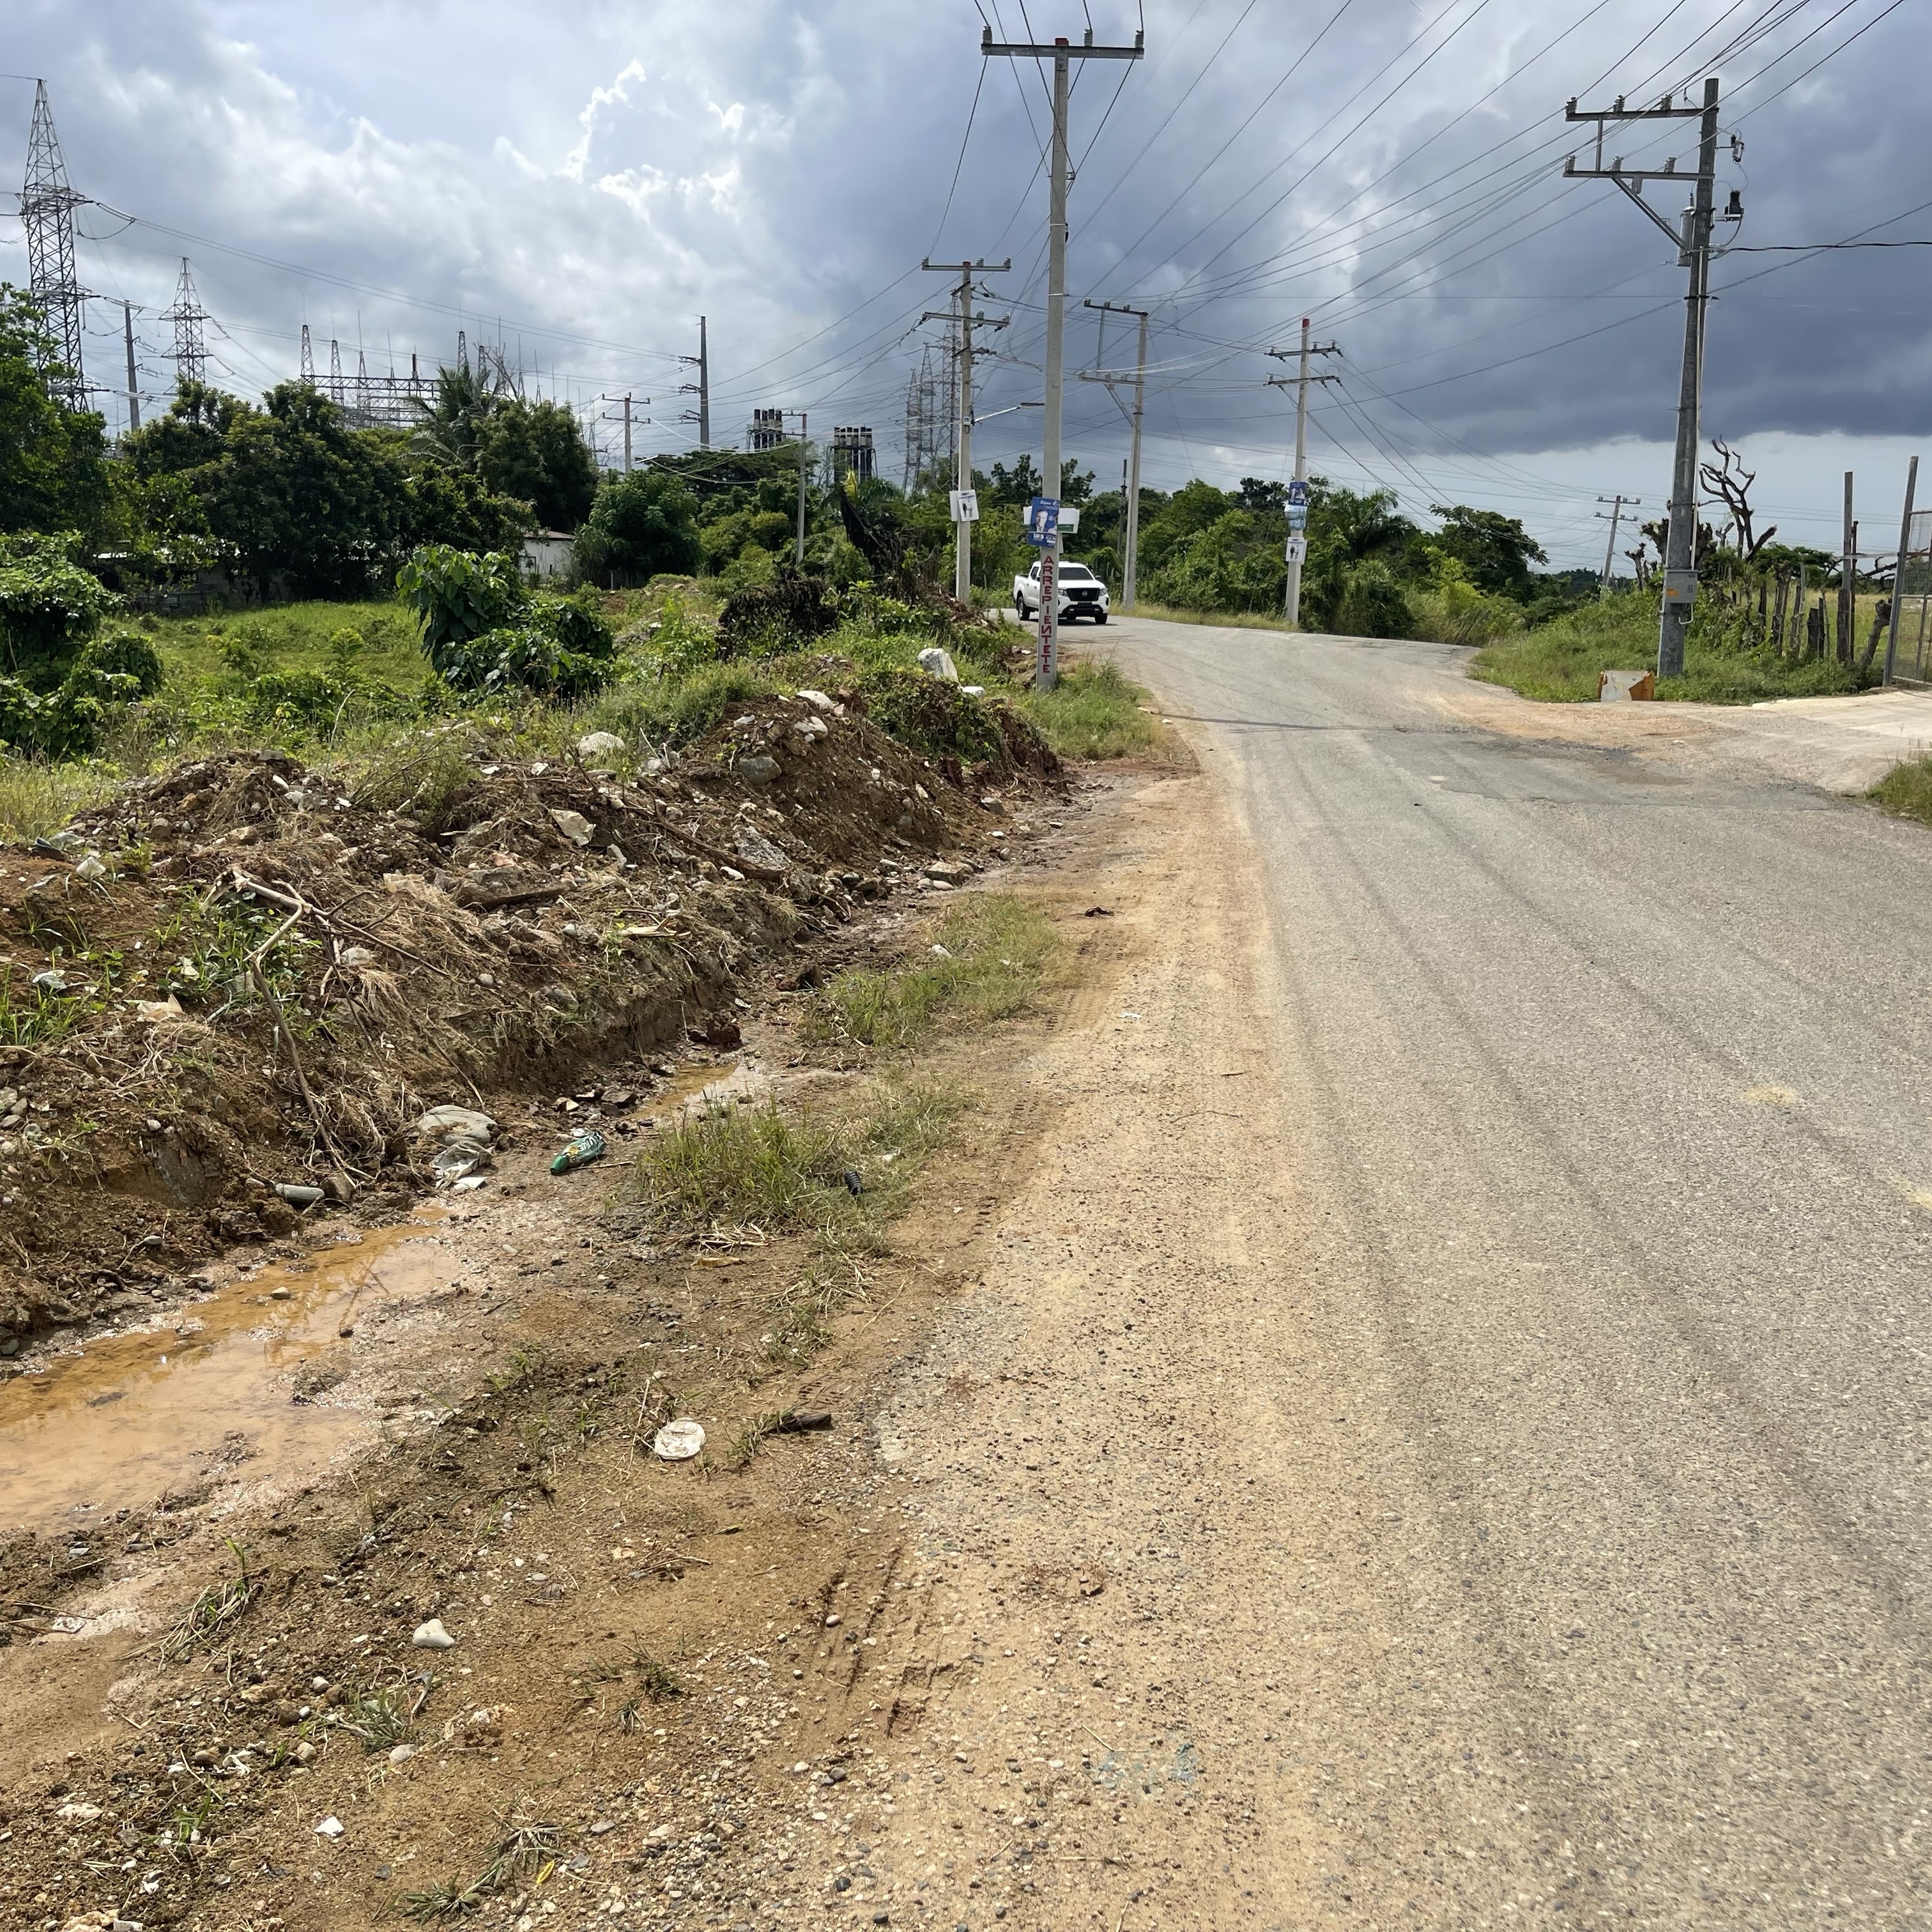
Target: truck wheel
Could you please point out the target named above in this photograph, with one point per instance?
(1019, 608)
(1100, 617)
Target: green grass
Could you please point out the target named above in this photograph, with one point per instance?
(784, 1171)
(1093, 711)
(1559, 662)
(1238, 620)
(992, 953)
(1906, 790)
(292, 637)
(36, 798)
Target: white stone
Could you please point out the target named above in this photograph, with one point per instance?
(432, 1636)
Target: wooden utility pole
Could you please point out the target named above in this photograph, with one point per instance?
(962, 465)
(1693, 242)
(1297, 494)
(1619, 504)
(1898, 575)
(1063, 53)
(1130, 484)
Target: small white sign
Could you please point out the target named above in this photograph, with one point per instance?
(1298, 549)
(965, 506)
(1069, 519)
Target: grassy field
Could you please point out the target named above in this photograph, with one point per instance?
(1560, 661)
(346, 686)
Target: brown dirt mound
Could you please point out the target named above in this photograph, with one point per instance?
(234, 975)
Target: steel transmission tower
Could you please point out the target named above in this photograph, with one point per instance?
(47, 203)
(187, 315)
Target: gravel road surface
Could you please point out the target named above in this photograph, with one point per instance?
(1441, 1439)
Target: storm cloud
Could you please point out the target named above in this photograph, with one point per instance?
(583, 181)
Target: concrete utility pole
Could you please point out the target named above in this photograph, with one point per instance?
(1130, 484)
(1898, 575)
(1063, 53)
(798, 552)
(701, 389)
(1848, 580)
(1617, 505)
(1297, 495)
(1692, 239)
(133, 388)
(962, 467)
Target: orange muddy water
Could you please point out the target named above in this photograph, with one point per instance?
(117, 1424)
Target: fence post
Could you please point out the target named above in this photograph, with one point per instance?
(1898, 575)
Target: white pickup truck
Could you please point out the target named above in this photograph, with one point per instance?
(1081, 594)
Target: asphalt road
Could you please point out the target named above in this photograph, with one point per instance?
(1608, 1086)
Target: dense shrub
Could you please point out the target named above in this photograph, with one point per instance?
(486, 633)
(763, 620)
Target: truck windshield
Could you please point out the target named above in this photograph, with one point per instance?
(1076, 573)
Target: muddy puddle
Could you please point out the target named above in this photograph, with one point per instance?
(238, 1383)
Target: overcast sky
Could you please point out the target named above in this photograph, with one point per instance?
(586, 180)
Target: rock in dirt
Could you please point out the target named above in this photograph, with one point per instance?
(329, 1828)
(432, 1636)
(937, 663)
(448, 1122)
(753, 844)
(758, 769)
(819, 701)
(574, 825)
(678, 1441)
(599, 745)
(297, 1196)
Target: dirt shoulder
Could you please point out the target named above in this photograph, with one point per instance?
(645, 1653)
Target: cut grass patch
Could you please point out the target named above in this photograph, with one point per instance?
(1559, 662)
(1094, 711)
(1906, 790)
(793, 1172)
(990, 955)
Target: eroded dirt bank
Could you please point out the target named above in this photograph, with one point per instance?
(646, 1655)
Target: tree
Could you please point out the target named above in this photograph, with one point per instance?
(295, 493)
(1496, 550)
(453, 426)
(194, 432)
(643, 522)
(1728, 478)
(1264, 499)
(1019, 485)
(536, 452)
(53, 470)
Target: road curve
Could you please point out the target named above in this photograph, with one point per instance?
(1610, 1083)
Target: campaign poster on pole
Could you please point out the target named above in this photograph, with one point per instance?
(1046, 657)
(1042, 522)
